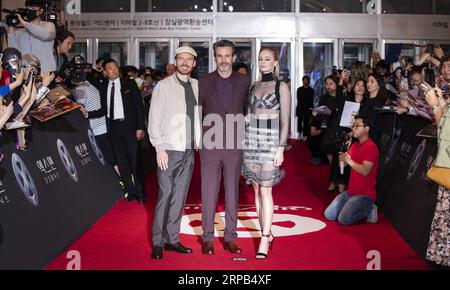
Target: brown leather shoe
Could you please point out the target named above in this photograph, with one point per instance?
(232, 247)
(207, 248)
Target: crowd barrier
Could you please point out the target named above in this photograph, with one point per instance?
(53, 192)
(405, 194)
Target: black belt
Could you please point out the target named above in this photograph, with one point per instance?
(118, 120)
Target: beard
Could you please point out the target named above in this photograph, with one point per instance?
(224, 67)
(184, 70)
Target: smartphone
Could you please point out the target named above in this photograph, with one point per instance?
(7, 100)
(445, 91)
(29, 78)
(424, 87)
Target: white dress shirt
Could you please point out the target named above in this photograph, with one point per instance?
(118, 104)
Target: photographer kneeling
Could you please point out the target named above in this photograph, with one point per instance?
(358, 202)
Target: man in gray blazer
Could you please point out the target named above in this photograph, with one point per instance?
(222, 95)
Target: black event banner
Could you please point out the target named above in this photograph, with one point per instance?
(53, 192)
(405, 194)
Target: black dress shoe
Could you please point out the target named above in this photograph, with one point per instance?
(207, 248)
(157, 253)
(179, 248)
(129, 197)
(232, 247)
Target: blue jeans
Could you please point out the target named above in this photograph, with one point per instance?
(349, 210)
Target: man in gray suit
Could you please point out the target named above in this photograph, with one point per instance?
(222, 94)
(174, 130)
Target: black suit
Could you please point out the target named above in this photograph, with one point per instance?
(123, 133)
(305, 101)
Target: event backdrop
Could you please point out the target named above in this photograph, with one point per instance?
(53, 192)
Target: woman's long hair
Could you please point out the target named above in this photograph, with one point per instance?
(382, 95)
(276, 71)
(352, 94)
(61, 34)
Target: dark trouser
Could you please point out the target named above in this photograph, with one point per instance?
(126, 149)
(104, 143)
(299, 123)
(314, 145)
(335, 171)
(173, 185)
(304, 123)
(212, 162)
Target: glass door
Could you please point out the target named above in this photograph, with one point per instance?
(201, 46)
(319, 59)
(116, 49)
(245, 54)
(284, 52)
(81, 47)
(153, 53)
(392, 49)
(355, 50)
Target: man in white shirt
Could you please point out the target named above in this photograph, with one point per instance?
(122, 105)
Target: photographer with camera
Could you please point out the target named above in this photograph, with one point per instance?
(37, 37)
(76, 63)
(12, 78)
(358, 201)
(89, 97)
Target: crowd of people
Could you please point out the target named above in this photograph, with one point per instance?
(183, 113)
(350, 143)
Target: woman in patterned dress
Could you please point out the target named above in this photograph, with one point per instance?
(438, 250)
(266, 134)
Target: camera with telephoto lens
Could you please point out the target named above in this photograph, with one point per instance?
(12, 19)
(342, 139)
(77, 72)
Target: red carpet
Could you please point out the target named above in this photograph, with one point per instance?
(304, 240)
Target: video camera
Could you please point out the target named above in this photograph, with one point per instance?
(12, 19)
(342, 139)
(77, 72)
